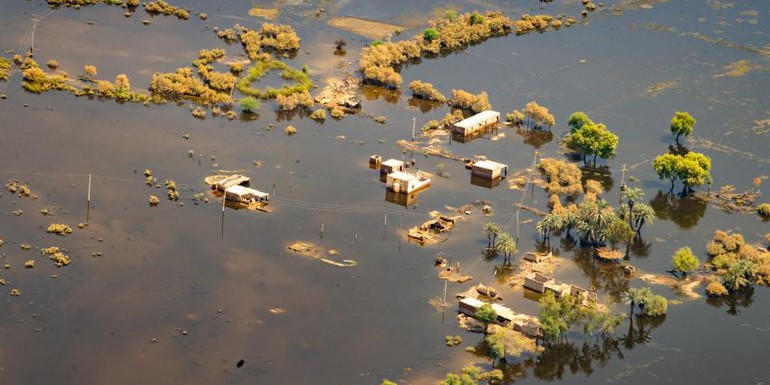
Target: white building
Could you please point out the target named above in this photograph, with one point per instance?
(403, 182)
(489, 169)
(475, 123)
(245, 195)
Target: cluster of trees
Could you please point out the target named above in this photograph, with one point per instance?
(649, 304)
(736, 263)
(692, 169)
(426, 91)
(184, 84)
(538, 116)
(466, 100)
(589, 138)
(469, 375)
(562, 178)
(442, 34)
(560, 315)
(500, 242)
(279, 37)
(162, 7)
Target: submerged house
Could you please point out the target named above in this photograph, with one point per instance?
(391, 165)
(476, 123)
(489, 169)
(241, 194)
(403, 182)
(526, 324)
(223, 182)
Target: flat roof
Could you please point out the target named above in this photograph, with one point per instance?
(392, 162)
(402, 175)
(477, 119)
(489, 165)
(241, 190)
(472, 302)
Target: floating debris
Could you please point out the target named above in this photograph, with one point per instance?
(314, 251)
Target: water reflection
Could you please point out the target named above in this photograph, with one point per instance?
(605, 276)
(602, 174)
(535, 138)
(734, 301)
(684, 211)
(370, 92)
(424, 105)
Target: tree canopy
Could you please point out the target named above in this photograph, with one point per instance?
(693, 168)
(682, 123)
(593, 139)
(685, 261)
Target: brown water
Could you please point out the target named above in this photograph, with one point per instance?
(175, 268)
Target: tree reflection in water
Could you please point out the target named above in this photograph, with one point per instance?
(684, 211)
(576, 355)
(603, 276)
(734, 300)
(535, 138)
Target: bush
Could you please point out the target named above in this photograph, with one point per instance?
(466, 100)
(453, 340)
(655, 305)
(516, 117)
(685, 261)
(716, 289)
(52, 64)
(59, 229)
(290, 130)
(318, 115)
(430, 34)
(764, 209)
(426, 91)
(250, 104)
(562, 178)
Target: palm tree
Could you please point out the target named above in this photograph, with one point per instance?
(632, 297)
(593, 219)
(550, 223)
(492, 230)
(737, 275)
(507, 245)
(632, 194)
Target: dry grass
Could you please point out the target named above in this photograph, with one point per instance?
(363, 27)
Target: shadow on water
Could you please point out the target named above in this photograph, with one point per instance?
(535, 138)
(684, 211)
(602, 174)
(424, 106)
(605, 276)
(370, 92)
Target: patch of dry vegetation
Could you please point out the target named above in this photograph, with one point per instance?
(56, 255)
(5, 68)
(737, 263)
(466, 100)
(162, 7)
(562, 178)
(183, 84)
(426, 91)
(59, 229)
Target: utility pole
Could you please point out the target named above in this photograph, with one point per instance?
(414, 125)
(88, 208)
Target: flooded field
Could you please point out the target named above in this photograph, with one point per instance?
(189, 291)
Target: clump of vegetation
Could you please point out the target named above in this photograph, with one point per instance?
(120, 90)
(538, 116)
(154, 201)
(203, 16)
(716, 289)
(56, 255)
(293, 101)
(15, 292)
(236, 68)
(221, 81)
(38, 81)
(466, 100)
(764, 210)
(290, 130)
(29, 264)
(515, 117)
(589, 138)
(148, 179)
(59, 229)
(685, 261)
(5, 68)
(183, 84)
(737, 263)
(228, 35)
(250, 104)
(559, 315)
(164, 8)
(52, 64)
(692, 169)
(562, 178)
(171, 191)
(650, 305)
(453, 340)
(337, 113)
(14, 187)
(426, 91)
(271, 36)
(198, 113)
(318, 115)
(302, 80)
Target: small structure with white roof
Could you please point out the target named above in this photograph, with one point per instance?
(391, 165)
(404, 182)
(246, 195)
(489, 169)
(472, 125)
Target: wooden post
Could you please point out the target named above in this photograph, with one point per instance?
(414, 124)
(89, 189)
(88, 203)
(322, 231)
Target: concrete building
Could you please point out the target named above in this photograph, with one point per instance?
(476, 123)
(245, 195)
(489, 169)
(391, 165)
(403, 182)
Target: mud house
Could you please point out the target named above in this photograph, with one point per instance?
(526, 324)
(245, 195)
(403, 182)
(476, 123)
(391, 165)
(538, 282)
(489, 169)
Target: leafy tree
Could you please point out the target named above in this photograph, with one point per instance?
(619, 231)
(550, 223)
(577, 120)
(666, 166)
(388, 382)
(685, 261)
(593, 139)
(250, 104)
(430, 34)
(682, 123)
(655, 305)
(593, 219)
(507, 342)
(634, 297)
(486, 314)
(553, 317)
(650, 304)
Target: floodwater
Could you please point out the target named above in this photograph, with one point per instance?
(181, 293)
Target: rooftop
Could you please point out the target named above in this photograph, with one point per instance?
(489, 165)
(240, 190)
(480, 118)
(392, 162)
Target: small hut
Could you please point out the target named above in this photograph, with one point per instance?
(538, 282)
(489, 169)
(403, 182)
(245, 195)
(391, 165)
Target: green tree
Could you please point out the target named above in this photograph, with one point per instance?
(685, 261)
(430, 34)
(250, 104)
(593, 139)
(486, 314)
(694, 169)
(655, 305)
(593, 219)
(577, 120)
(388, 382)
(553, 317)
(667, 166)
(470, 375)
(737, 274)
(506, 245)
(682, 123)
(506, 342)
(634, 297)
(619, 232)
